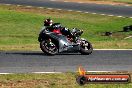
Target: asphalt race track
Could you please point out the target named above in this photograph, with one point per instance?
(92, 8)
(37, 61)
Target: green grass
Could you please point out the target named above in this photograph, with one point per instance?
(20, 26)
(63, 80)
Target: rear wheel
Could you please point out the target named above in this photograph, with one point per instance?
(48, 47)
(86, 48)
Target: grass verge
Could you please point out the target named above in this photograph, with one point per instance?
(20, 26)
(63, 80)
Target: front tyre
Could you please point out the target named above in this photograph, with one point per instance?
(86, 48)
(48, 47)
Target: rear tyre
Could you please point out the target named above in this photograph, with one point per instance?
(86, 48)
(48, 48)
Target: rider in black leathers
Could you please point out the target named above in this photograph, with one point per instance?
(48, 23)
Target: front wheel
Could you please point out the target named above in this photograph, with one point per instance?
(48, 47)
(86, 48)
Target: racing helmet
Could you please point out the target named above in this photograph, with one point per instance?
(56, 25)
(48, 22)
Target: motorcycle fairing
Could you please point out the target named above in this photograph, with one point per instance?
(62, 42)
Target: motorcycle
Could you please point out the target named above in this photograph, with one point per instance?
(52, 43)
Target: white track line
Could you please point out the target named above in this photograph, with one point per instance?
(64, 72)
(66, 1)
(55, 72)
(94, 13)
(128, 37)
(70, 10)
(7, 4)
(102, 14)
(86, 12)
(41, 7)
(46, 72)
(5, 73)
(50, 8)
(127, 5)
(119, 16)
(79, 11)
(80, 2)
(29, 6)
(19, 5)
(110, 15)
(59, 9)
(112, 4)
(113, 49)
(52, 0)
(101, 71)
